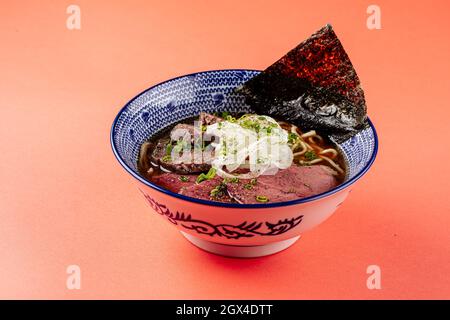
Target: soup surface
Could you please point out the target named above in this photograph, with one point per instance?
(241, 158)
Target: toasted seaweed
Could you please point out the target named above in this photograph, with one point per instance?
(313, 86)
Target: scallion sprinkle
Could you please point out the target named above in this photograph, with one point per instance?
(262, 199)
(166, 158)
(208, 176)
(310, 155)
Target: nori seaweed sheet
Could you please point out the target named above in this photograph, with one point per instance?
(313, 86)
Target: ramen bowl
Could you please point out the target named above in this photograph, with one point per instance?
(230, 229)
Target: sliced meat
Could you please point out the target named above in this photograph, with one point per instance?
(290, 184)
(160, 157)
(203, 190)
(174, 182)
(208, 119)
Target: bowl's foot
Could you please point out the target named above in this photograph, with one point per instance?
(240, 251)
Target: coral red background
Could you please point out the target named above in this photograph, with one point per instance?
(65, 200)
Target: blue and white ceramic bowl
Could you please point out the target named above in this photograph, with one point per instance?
(239, 230)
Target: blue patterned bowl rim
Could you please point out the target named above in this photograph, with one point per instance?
(340, 187)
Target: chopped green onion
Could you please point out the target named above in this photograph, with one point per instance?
(247, 123)
(253, 182)
(202, 177)
(211, 173)
(262, 199)
(184, 178)
(230, 118)
(248, 186)
(166, 158)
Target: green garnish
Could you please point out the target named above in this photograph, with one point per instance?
(247, 123)
(230, 118)
(262, 199)
(169, 149)
(310, 155)
(250, 185)
(208, 176)
(219, 190)
(184, 178)
(198, 143)
(166, 158)
(211, 173)
(225, 114)
(292, 138)
(233, 180)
